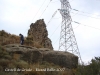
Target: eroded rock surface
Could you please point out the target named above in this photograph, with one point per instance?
(39, 34)
(32, 54)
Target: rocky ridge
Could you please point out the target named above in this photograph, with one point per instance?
(37, 48)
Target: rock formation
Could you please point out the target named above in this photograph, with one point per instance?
(37, 48)
(33, 55)
(39, 34)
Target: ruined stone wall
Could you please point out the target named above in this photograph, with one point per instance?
(39, 34)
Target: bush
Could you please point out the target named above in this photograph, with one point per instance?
(4, 54)
(11, 65)
(3, 73)
(1, 68)
(21, 64)
(7, 57)
(4, 63)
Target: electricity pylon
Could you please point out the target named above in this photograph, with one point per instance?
(67, 38)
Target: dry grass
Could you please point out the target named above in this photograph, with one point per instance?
(47, 65)
(22, 64)
(4, 63)
(4, 53)
(37, 44)
(15, 62)
(34, 73)
(6, 38)
(9, 73)
(16, 56)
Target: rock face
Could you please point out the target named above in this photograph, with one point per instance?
(39, 34)
(33, 55)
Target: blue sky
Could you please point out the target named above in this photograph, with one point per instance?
(17, 15)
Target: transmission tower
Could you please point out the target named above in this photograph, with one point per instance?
(67, 38)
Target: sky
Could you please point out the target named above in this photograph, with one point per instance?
(17, 15)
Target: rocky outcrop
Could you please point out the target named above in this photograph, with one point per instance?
(39, 34)
(33, 55)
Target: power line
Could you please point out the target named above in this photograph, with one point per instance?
(55, 1)
(45, 8)
(83, 14)
(71, 16)
(76, 27)
(36, 13)
(61, 17)
(38, 10)
(83, 11)
(58, 1)
(85, 25)
(52, 17)
(55, 30)
(55, 41)
(86, 15)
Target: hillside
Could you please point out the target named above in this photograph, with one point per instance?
(36, 56)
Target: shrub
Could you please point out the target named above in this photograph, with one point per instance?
(7, 57)
(21, 64)
(4, 63)
(3, 73)
(11, 65)
(4, 54)
(1, 68)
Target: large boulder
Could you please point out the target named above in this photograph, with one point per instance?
(33, 55)
(64, 59)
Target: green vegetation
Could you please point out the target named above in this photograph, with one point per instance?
(92, 69)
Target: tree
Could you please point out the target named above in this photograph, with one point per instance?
(92, 69)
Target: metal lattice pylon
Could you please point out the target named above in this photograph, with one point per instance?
(67, 38)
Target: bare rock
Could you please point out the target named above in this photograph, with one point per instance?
(39, 34)
(64, 59)
(33, 55)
